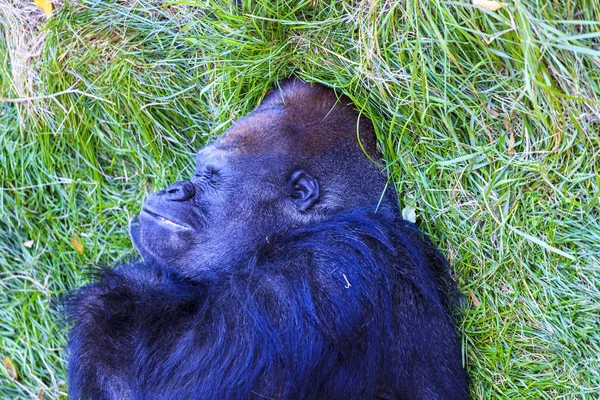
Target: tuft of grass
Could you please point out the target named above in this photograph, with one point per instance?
(489, 123)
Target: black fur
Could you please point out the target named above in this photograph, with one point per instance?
(344, 309)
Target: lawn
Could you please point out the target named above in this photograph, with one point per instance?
(489, 122)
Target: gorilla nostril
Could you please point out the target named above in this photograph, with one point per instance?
(180, 191)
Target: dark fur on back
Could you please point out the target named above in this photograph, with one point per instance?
(355, 307)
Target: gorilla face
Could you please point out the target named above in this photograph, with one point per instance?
(270, 172)
(230, 205)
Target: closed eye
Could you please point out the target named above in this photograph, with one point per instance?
(208, 176)
(207, 171)
(211, 170)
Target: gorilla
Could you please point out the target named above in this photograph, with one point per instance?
(281, 270)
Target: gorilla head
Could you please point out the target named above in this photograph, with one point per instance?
(280, 167)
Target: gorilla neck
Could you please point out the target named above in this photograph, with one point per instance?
(218, 265)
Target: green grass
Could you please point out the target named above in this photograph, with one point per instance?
(489, 123)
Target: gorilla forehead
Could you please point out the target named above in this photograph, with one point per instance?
(270, 130)
(257, 133)
(283, 122)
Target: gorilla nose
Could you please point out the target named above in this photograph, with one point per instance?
(180, 191)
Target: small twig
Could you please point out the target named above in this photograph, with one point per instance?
(51, 96)
(347, 282)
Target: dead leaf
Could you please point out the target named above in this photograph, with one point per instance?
(40, 395)
(409, 214)
(76, 242)
(45, 5)
(511, 143)
(28, 244)
(10, 368)
(489, 5)
(474, 299)
(372, 5)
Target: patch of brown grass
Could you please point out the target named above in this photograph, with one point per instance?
(22, 26)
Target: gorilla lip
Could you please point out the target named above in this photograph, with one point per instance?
(165, 220)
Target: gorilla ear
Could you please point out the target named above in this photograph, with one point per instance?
(136, 239)
(304, 190)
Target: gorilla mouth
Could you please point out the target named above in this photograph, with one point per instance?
(165, 220)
